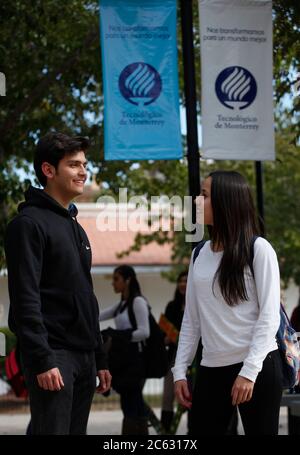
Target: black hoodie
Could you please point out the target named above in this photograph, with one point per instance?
(52, 303)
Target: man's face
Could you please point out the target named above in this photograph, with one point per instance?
(71, 174)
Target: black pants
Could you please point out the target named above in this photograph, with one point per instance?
(132, 401)
(65, 411)
(212, 408)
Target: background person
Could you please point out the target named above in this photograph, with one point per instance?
(174, 314)
(127, 363)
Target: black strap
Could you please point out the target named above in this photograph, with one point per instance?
(118, 309)
(252, 253)
(197, 250)
(131, 316)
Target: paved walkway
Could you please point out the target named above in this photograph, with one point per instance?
(104, 423)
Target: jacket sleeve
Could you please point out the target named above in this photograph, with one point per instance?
(100, 356)
(24, 247)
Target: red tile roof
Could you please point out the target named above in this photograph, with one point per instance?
(106, 245)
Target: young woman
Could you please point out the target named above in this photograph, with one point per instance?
(174, 313)
(236, 315)
(131, 317)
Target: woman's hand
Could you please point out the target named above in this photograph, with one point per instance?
(182, 393)
(242, 390)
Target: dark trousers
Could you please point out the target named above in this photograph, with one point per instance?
(212, 408)
(65, 411)
(132, 401)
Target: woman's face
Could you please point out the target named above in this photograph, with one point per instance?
(181, 285)
(119, 283)
(206, 193)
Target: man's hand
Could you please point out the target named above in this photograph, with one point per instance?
(242, 390)
(51, 380)
(182, 393)
(105, 381)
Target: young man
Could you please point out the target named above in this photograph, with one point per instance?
(53, 309)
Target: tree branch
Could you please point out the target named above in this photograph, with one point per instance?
(41, 87)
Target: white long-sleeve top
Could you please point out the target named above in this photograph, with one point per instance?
(122, 321)
(230, 334)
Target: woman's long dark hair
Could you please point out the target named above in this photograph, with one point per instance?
(134, 289)
(234, 225)
(178, 297)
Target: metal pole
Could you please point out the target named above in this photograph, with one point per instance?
(186, 8)
(260, 196)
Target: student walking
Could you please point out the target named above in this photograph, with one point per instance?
(53, 309)
(236, 314)
(131, 316)
(174, 314)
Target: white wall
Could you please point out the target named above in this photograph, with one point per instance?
(291, 297)
(156, 289)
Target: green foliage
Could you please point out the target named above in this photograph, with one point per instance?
(281, 201)
(50, 54)
(286, 38)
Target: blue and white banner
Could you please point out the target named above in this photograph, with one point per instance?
(140, 78)
(237, 77)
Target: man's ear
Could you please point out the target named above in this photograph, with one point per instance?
(48, 170)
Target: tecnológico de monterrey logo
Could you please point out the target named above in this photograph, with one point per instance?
(236, 87)
(140, 83)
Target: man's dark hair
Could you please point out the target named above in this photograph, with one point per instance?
(53, 147)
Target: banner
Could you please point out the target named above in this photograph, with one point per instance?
(140, 78)
(237, 77)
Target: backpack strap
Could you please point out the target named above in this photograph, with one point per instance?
(118, 309)
(131, 316)
(121, 307)
(252, 253)
(197, 250)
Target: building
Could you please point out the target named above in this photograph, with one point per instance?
(106, 243)
(107, 229)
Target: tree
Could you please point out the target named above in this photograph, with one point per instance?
(282, 195)
(50, 54)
